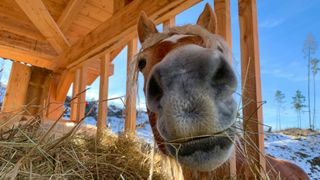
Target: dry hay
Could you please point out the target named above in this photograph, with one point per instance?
(29, 151)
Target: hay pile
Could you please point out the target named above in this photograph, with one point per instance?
(29, 151)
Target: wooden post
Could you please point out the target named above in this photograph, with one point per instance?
(81, 105)
(222, 10)
(169, 23)
(103, 95)
(130, 124)
(16, 92)
(251, 90)
(75, 100)
(38, 90)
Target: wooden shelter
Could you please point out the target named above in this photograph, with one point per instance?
(55, 43)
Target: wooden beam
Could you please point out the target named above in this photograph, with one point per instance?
(222, 10)
(75, 92)
(119, 4)
(131, 90)
(121, 28)
(81, 106)
(38, 91)
(27, 56)
(16, 92)
(41, 18)
(103, 96)
(69, 14)
(93, 73)
(169, 23)
(54, 108)
(251, 89)
(63, 86)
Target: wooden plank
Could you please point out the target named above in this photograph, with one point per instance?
(69, 13)
(119, 4)
(103, 96)
(131, 90)
(19, 27)
(96, 13)
(222, 10)
(75, 91)
(81, 105)
(251, 89)
(169, 23)
(27, 56)
(16, 92)
(106, 6)
(41, 18)
(121, 28)
(21, 42)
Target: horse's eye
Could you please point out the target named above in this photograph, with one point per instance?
(142, 63)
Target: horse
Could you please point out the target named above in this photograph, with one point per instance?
(189, 86)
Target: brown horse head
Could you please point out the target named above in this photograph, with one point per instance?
(189, 86)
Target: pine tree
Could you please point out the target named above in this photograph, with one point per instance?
(279, 97)
(310, 47)
(314, 70)
(298, 104)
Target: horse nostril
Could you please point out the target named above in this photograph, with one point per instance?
(154, 92)
(224, 76)
(220, 75)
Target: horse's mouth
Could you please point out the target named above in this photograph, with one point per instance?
(205, 152)
(202, 143)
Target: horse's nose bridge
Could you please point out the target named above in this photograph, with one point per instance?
(188, 66)
(184, 71)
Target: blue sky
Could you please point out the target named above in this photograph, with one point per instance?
(283, 26)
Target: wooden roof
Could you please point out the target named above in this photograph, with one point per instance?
(63, 34)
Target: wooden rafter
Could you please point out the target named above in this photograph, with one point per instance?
(121, 28)
(69, 13)
(41, 18)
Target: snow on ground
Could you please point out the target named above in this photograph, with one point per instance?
(304, 151)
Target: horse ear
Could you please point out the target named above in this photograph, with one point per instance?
(145, 27)
(208, 19)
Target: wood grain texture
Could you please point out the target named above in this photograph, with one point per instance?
(16, 92)
(131, 89)
(69, 14)
(41, 18)
(75, 91)
(251, 88)
(222, 10)
(103, 96)
(121, 27)
(81, 105)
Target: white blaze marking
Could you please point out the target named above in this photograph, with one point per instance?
(175, 38)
